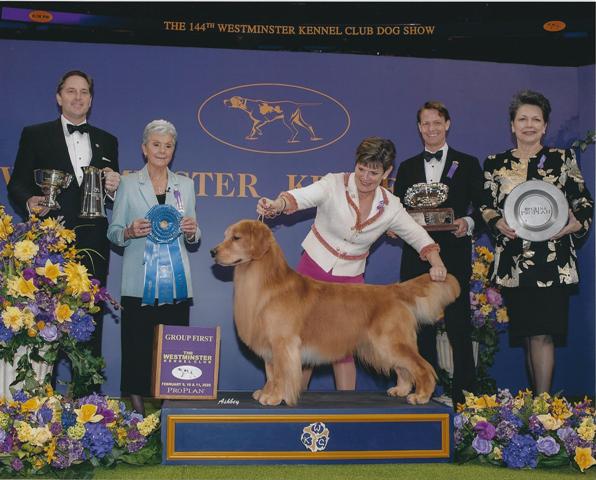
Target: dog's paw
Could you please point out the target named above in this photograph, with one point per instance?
(417, 399)
(269, 399)
(257, 394)
(399, 390)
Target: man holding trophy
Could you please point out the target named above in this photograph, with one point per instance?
(52, 162)
(440, 187)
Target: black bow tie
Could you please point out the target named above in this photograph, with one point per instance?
(83, 128)
(429, 156)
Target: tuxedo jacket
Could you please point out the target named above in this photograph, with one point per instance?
(44, 146)
(464, 197)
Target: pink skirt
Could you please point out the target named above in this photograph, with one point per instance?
(309, 268)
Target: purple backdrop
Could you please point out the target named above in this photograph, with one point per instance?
(344, 98)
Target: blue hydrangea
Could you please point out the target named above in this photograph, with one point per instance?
(98, 439)
(521, 452)
(5, 333)
(20, 396)
(68, 419)
(44, 415)
(82, 327)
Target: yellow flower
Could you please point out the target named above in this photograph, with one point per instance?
(87, 413)
(6, 227)
(24, 431)
(486, 309)
(502, 316)
(28, 317)
(12, 317)
(50, 270)
(67, 235)
(50, 453)
(19, 287)
(486, 401)
(49, 224)
(40, 436)
(77, 278)
(76, 432)
(7, 251)
(474, 419)
(121, 436)
(587, 429)
(549, 422)
(498, 454)
(31, 405)
(479, 270)
(540, 404)
(25, 250)
(583, 458)
(560, 410)
(148, 425)
(63, 312)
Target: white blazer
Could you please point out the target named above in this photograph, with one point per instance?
(337, 223)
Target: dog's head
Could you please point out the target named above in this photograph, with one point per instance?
(244, 242)
(235, 102)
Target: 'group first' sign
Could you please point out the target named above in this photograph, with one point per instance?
(185, 362)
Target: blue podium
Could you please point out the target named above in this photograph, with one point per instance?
(325, 427)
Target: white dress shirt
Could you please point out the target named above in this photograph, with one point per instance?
(434, 170)
(79, 149)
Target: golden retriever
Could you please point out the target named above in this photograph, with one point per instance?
(289, 319)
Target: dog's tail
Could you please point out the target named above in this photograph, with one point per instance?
(428, 299)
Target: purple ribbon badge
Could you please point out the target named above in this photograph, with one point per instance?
(541, 162)
(452, 169)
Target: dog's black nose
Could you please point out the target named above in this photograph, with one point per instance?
(213, 252)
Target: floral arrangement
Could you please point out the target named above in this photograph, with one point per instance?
(49, 434)
(525, 431)
(46, 298)
(489, 318)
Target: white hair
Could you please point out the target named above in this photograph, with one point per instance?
(161, 127)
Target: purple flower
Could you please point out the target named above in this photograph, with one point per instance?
(98, 439)
(5, 333)
(505, 430)
(485, 430)
(28, 273)
(535, 426)
(20, 396)
(55, 428)
(85, 297)
(459, 421)
(136, 446)
(2, 436)
(521, 452)
(476, 286)
(44, 415)
(481, 445)
(548, 446)
(493, 297)
(81, 328)
(49, 333)
(478, 319)
(16, 464)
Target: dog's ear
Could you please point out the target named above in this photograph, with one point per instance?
(260, 240)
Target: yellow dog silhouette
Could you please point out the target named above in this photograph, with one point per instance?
(263, 112)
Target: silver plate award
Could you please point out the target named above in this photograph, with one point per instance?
(536, 210)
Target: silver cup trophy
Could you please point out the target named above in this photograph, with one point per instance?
(92, 195)
(423, 200)
(51, 183)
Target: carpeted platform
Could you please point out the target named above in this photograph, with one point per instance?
(325, 427)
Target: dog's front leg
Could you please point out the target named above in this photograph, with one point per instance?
(268, 384)
(286, 373)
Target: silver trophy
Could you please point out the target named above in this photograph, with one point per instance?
(92, 196)
(51, 183)
(424, 200)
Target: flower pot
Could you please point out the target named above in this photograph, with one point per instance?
(445, 354)
(8, 371)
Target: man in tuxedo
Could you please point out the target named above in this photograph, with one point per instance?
(68, 144)
(462, 174)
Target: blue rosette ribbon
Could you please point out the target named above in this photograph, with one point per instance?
(164, 270)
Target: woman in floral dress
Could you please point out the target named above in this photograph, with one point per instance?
(535, 276)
